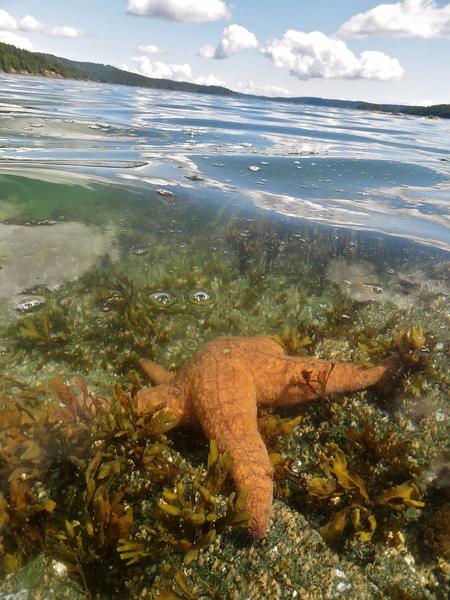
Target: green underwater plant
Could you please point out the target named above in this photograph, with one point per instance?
(127, 302)
(293, 339)
(46, 329)
(407, 343)
(337, 475)
(412, 345)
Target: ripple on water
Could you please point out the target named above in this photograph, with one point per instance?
(201, 297)
(161, 299)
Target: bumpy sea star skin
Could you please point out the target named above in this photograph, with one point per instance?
(221, 387)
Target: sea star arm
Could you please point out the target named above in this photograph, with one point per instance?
(156, 372)
(225, 406)
(347, 377)
(305, 379)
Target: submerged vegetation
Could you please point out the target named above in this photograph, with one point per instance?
(87, 480)
(128, 504)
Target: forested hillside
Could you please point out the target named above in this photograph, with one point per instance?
(109, 74)
(15, 60)
(438, 110)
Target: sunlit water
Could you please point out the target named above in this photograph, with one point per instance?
(362, 170)
(141, 222)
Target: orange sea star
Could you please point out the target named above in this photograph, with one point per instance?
(221, 386)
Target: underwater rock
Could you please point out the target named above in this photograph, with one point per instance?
(48, 254)
(293, 561)
(358, 279)
(442, 480)
(41, 578)
(396, 575)
(361, 282)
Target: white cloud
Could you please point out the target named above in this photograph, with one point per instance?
(209, 80)
(309, 55)
(377, 65)
(8, 37)
(30, 23)
(192, 11)
(65, 32)
(234, 38)
(7, 21)
(207, 51)
(410, 18)
(143, 65)
(150, 49)
(262, 90)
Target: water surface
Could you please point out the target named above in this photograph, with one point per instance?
(142, 223)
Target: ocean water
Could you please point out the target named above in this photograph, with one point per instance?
(142, 223)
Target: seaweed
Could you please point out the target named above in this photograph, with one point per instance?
(337, 476)
(365, 502)
(356, 517)
(126, 301)
(402, 496)
(271, 425)
(75, 468)
(389, 449)
(293, 339)
(45, 329)
(256, 244)
(191, 514)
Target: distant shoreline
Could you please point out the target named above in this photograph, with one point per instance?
(22, 62)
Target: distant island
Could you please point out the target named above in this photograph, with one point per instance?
(15, 60)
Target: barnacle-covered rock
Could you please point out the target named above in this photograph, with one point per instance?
(42, 578)
(436, 531)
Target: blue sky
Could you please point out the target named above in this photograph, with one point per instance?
(366, 50)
